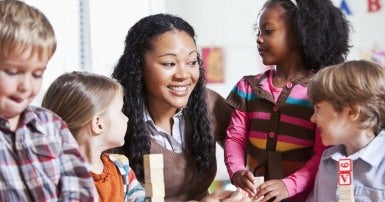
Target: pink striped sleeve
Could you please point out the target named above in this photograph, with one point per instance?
(235, 142)
(303, 179)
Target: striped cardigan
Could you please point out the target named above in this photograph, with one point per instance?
(276, 137)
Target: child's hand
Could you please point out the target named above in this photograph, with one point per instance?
(271, 189)
(244, 179)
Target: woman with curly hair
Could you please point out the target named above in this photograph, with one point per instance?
(170, 110)
(271, 125)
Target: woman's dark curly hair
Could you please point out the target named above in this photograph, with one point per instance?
(322, 30)
(128, 71)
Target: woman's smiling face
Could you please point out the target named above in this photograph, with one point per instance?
(171, 70)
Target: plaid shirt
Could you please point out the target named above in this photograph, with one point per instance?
(40, 161)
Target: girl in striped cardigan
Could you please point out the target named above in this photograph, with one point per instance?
(270, 133)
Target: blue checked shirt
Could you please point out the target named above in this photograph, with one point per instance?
(368, 173)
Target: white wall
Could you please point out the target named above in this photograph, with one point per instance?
(109, 26)
(109, 23)
(368, 28)
(63, 16)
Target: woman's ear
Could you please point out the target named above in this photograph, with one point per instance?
(354, 111)
(97, 125)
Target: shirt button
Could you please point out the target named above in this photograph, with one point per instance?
(289, 85)
(275, 109)
(271, 135)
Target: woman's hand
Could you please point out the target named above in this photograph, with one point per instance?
(226, 196)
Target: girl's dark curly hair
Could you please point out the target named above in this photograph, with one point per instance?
(128, 71)
(322, 30)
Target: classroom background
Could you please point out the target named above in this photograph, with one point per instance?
(91, 35)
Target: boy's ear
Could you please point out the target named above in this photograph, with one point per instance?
(97, 125)
(354, 111)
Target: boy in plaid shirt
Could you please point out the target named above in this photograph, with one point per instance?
(39, 158)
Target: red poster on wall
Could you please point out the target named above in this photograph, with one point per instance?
(213, 64)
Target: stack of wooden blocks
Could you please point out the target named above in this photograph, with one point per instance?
(345, 180)
(153, 177)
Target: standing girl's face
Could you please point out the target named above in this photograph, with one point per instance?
(171, 70)
(275, 38)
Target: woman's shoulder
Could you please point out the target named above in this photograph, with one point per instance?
(213, 96)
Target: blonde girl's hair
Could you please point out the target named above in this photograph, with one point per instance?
(24, 28)
(79, 96)
(354, 82)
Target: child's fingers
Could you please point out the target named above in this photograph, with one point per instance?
(250, 188)
(250, 176)
(264, 190)
(271, 189)
(246, 186)
(269, 195)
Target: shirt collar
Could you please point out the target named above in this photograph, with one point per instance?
(374, 151)
(35, 117)
(148, 118)
(26, 117)
(371, 153)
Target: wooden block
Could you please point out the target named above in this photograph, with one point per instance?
(152, 161)
(345, 180)
(345, 165)
(346, 192)
(154, 190)
(153, 175)
(258, 181)
(346, 189)
(346, 200)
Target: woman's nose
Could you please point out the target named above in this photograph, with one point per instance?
(181, 72)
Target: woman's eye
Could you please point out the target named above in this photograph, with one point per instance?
(193, 63)
(168, 64)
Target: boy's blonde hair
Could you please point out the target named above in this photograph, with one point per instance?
(23, 27)
(354, 82)
(79, 96)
